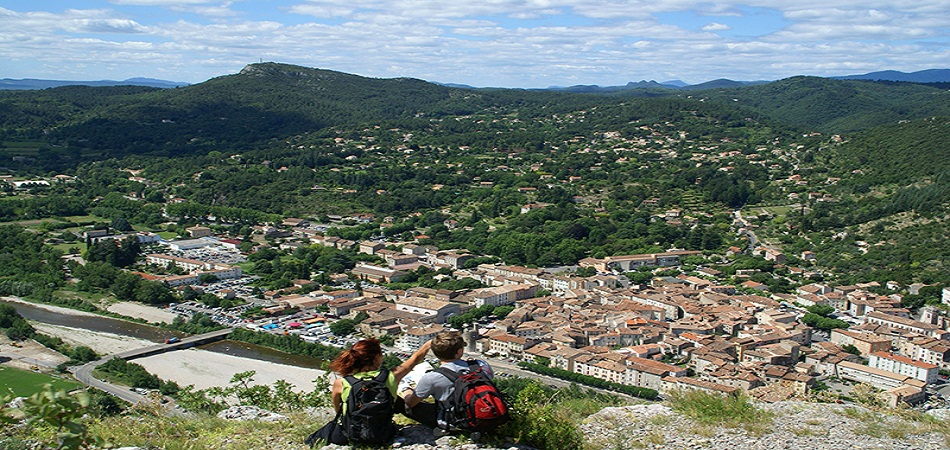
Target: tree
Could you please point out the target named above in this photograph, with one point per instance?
(851, 349)
(20, 330)
(153, 293)
(121, 223)
(821, 310)
(207, 278)
(343, 327)
(84, 354)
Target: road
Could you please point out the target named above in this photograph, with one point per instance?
(27, 360)
(84, 373)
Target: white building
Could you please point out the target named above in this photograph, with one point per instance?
(412, 339)
(221, 271)
(503, 295)
(438, 309)
(903, 365)
(879, 378)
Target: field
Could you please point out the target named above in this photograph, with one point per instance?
(23, 383)
(167, 235)
(65, 247)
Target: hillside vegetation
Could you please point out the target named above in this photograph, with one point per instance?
(837, 106)
(526, 177)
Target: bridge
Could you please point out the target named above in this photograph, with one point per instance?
(187, 342)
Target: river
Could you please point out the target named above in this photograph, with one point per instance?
(158, 335)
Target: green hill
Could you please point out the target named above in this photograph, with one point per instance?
(901, 152)
(241, 111)
(837, 106)
(274, 101)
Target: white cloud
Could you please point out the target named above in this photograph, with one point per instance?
(714, 26)
(160, 2)
(518, 43)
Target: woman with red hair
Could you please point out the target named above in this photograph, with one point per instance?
(363, 361)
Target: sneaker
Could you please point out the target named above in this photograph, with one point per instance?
(475, 436)
(439, 432)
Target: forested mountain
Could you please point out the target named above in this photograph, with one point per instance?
(530, 177)
(271, 101)
(837, 106)
(262, 102)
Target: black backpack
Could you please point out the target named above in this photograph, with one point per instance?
(369, 410)
(475, 404)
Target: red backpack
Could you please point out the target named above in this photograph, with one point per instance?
(475, 403)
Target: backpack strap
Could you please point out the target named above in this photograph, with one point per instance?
(382, 377)
(452, 375)
(448, 373)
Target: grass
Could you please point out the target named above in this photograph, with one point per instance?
(896, 423)
(24, 383)
(167, 235)
(80, 219)
(93, 298)
(65, 247)
(730, 411)
(176, 433)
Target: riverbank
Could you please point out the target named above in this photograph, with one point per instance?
(148, 313)
(200, 368)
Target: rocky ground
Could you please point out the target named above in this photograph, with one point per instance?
(795, 425)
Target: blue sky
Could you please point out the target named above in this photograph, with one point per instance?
(506, 43)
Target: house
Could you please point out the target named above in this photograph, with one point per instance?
(502, 295)
(902, 323)
(370, 247)
(199, 232)
(755, 285)
(629, 263)
(774, 255)
(342, 306)
(509, 344)
(295, 222)
(437, 310)
(414, 337)
(377, 274)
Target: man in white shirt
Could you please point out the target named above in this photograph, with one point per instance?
(448, 346)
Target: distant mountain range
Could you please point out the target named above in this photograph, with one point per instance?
(923, 76)
(31, 84)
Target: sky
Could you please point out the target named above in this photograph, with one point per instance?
(501, 43)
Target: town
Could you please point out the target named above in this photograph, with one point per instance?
(696, 330)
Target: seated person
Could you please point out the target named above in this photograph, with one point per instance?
(448, 346)
(362, 361)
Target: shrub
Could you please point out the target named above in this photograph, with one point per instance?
(536, 420)
(731, 411)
